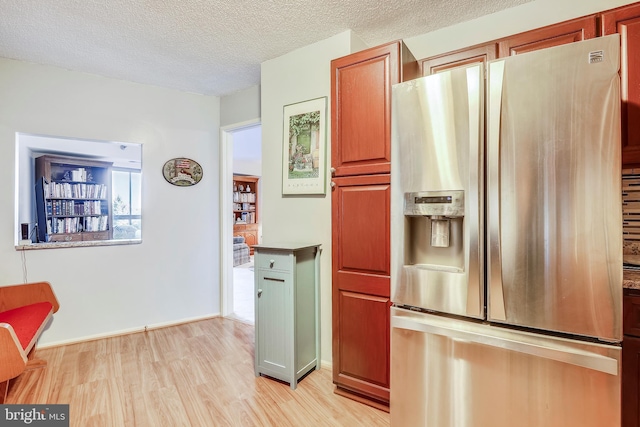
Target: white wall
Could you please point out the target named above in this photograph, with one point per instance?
(240, 106)
(298, 76)
(173, 274)
(247, 151)
(507, 22)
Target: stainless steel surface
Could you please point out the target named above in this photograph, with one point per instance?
(468, 374)
(560, 349)
(437, 129)
(428, 203)
(554, 190)
(553, 243)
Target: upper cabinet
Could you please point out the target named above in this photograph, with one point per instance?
(626, 22)
(552, 35)
(361, 107)
(459, 58)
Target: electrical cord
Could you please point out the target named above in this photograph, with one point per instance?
(24, 266)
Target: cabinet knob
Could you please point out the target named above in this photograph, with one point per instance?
(333, 171)
(333, 184)
(271, 263)
(259, 292)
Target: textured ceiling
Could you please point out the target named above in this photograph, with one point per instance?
(212, 47)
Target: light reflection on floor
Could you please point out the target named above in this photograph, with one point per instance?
(243, 299)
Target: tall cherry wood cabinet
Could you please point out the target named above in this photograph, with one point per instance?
(360, 159)
(626, 22)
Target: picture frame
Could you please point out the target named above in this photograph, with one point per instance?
(304, 148)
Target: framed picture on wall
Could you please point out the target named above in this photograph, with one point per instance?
(304, 147)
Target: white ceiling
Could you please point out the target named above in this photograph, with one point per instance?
(212, 47)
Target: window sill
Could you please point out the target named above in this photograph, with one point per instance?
(89, 243)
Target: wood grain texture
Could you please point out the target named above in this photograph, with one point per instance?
(194, 374)
(13, 358)
(631, 382)
(361, 107)
(553, 35)
(626, 22)
(361, 287)
(15, 296)
(478, 54)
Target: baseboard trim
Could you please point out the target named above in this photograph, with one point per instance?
(362, 399)
(126, 331)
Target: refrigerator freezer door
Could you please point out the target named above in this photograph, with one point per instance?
(554, 190)
(451, 373)
(437, 152)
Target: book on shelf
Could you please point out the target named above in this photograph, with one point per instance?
(242, 197)
(69, 190)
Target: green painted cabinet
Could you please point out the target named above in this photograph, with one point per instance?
(287, 310)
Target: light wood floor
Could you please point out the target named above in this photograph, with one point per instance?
(195, 374)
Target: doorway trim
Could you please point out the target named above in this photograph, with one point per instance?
(226, 214)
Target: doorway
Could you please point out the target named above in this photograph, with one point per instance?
(240, 153)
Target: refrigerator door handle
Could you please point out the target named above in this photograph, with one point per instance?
(559, 352)
(495, 302)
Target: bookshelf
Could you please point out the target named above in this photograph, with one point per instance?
(73, 199)
(245, 209)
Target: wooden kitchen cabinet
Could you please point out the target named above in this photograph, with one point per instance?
(630, 381)
(550, 36)
(459, 58)
(626, 22)
(361, 164)
(361, 107)
(631, 359)
(361, 287)
(287, 327)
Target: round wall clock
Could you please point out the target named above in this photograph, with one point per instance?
(182, 172)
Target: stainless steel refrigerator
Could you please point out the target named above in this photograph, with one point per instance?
(506, 251)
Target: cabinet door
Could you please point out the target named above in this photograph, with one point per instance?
(552, 35)
(250, 237)
(273, 324)
(361, 292)
(361, 110)
(460, 58)
(630, 381)
(626, 22)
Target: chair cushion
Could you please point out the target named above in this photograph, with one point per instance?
(26, 320)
